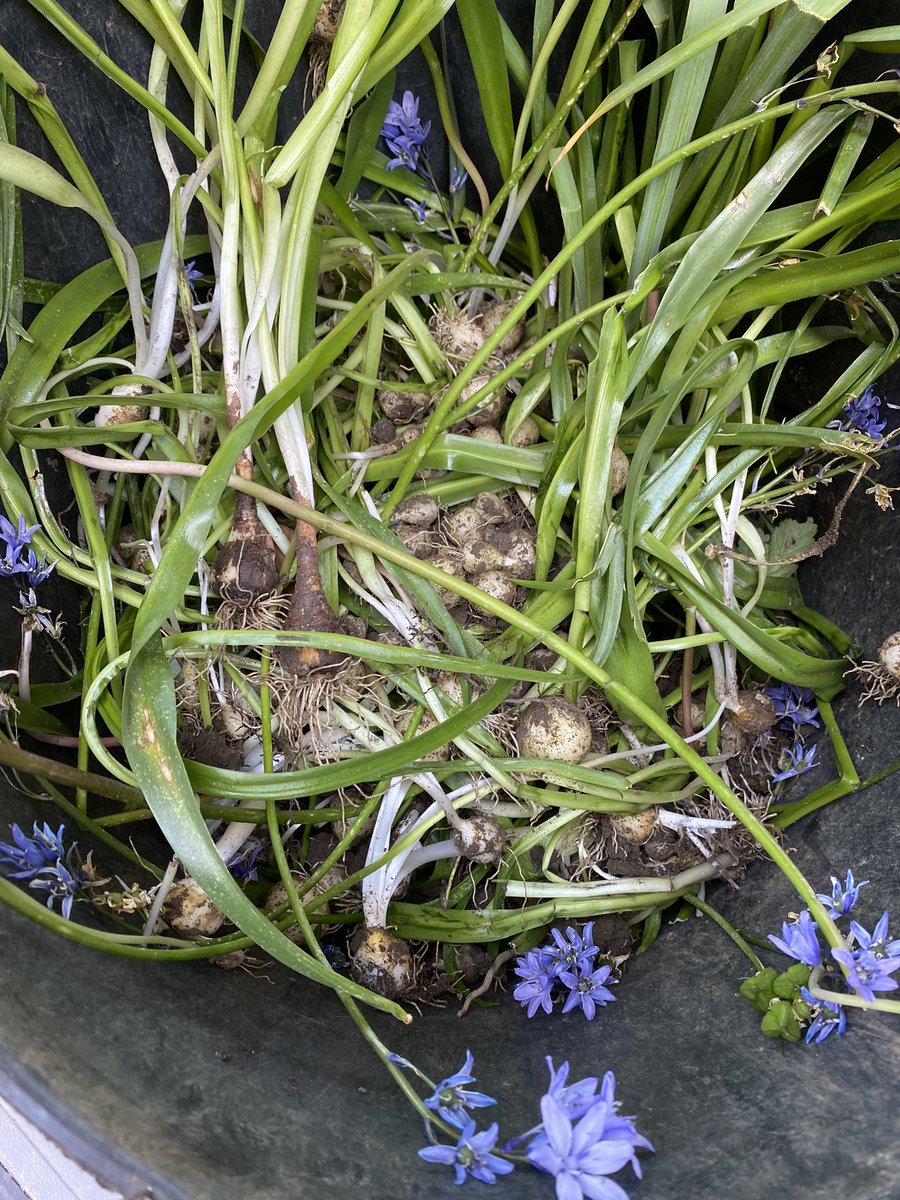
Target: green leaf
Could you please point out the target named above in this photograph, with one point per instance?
(484, 40)
(362, 768)
(682, 52)
(604, 399)
(682, 106)
(787, 538)
(414, 19)
(712, 250)
(885, 40)
(776, 659)
(811, 277)
(362, 134)
(361, 29)
(60, 319)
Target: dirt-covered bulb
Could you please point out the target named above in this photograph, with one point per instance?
(553, 729)
(480, 839)
(382, 963)
(889, 655)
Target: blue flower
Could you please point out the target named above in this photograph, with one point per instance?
(827, 1018)
(571, 951)
(582, 1155)
(794, 705)
(44, 862)
(866, 973)
(538, 980)
(587, 990)
(450, 1099)
(193, 274)
(404, 132)
(32, 854)
(575, 1098)
(864, 413)
(61, 882)
(16, 540)
(796, 761)
(420, 209)
(457, 180)
(37, 570)
(843, 895)
(471, 1155)
(876, 942)
(799, 940)
(241, 863)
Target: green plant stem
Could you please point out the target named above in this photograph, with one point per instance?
(788, 814)
(46, 768)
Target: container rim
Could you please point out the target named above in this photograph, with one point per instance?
(77, 1139)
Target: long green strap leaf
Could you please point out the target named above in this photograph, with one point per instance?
(682, 106)
(484, 41)
(710, 253)
(783, 662)
(680, 54)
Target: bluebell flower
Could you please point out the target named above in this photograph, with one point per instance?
(571, 951)
(827, 1018)
(843, 895)
(877, 941)
(420, 209)
(15, 544)
(242, 862)
(538, 980)
(35, 569)
(471, 1155)
(457, 180)
(450, 1099)
(61, 882)
(586, 990)
(32, 854)
(582, 1155)
(794, 705)
(796, 761)
(404, 132)
(574, 1098)
(866, 973)
(864, 414)
(799, 940)
(43, 860)
(193, 275)
(37, 619)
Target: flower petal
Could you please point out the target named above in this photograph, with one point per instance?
(557, 1125)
